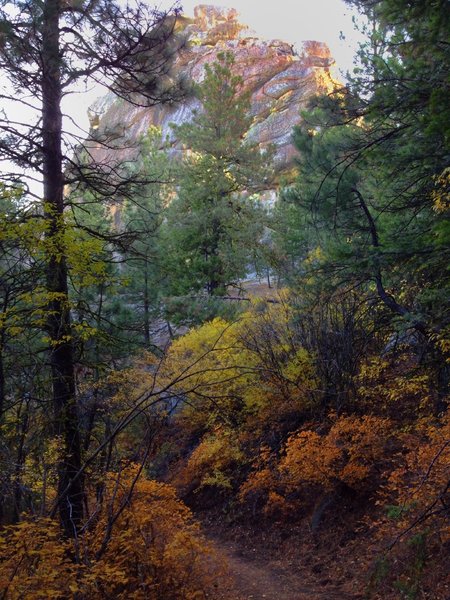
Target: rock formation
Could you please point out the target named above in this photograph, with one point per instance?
(280, 79)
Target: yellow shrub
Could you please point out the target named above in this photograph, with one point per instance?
(212, 462)
(35, 563)
(230, 370)
(151, 549)
(212, 370)
(394, 388)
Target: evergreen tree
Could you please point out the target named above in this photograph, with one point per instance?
(144, 215)
(372, 166)
(46, 48)
(215, 223)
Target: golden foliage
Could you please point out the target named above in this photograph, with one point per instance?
(440, 195)
(156, 550)
(394, 388)
(237, 378)
(230, 370)
(213, 462)
(212, 370)
(35, 563)
(142, 545)
(347, 454)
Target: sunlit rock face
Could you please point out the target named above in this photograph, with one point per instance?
(280, 78)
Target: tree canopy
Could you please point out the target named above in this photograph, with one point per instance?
(214, 222)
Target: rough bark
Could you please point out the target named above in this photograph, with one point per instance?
(66, 423)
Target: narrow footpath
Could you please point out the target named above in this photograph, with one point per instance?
(252, 578)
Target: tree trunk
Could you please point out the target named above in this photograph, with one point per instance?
(2, 366)
(2, 408)
(2, 383)
(70, 492)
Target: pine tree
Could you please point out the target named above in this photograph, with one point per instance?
(373, 156)
(144, 215)
(46, 49)
(214, 223)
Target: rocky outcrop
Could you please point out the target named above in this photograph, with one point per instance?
(280, 78)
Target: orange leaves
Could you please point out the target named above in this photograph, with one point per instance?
(151, 529)
(143, 545)
(262, 480)
(348, 454)
(414, 526)
(309, 459)
(422, 484)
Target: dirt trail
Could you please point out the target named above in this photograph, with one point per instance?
(254, 579)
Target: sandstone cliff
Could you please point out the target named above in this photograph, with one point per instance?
(279, 78)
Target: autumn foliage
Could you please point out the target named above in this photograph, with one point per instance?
(238, 415)
(143, 544)
(147, 372)
(347, 455)
(260, 438)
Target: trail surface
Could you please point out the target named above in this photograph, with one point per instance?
(255, 579)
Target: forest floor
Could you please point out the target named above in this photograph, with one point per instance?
(254, 579)
(261, 572)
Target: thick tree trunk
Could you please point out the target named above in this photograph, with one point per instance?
(70, 493)
(2, 366)
(2, 382)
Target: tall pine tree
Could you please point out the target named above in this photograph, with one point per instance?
(47, 48)
(214, 223)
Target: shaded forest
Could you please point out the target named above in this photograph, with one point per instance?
(183, 364)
